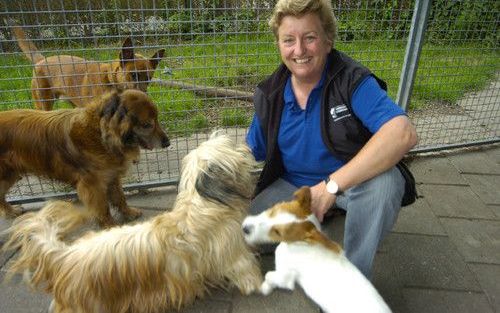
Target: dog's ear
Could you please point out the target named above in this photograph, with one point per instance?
(127, 53)
(303, 197)
(114, 123)
(110, 106)
(292, 231)
(156, 58)
(211, 184)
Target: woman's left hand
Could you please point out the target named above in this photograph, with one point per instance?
(321, 200)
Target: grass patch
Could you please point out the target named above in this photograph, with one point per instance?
(234, 117)
(445, 74)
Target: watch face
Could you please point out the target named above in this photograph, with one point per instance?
(332, 187)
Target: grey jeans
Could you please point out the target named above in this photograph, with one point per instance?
(371, 209)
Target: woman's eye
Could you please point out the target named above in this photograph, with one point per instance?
(310, 38)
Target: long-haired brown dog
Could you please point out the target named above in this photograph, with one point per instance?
(79, 80)
(89, 148)
(160, 264)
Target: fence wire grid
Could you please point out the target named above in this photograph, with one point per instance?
(217, 51)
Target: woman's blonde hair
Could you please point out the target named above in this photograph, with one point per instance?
(298, 8)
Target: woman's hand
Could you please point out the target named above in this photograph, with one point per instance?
(321, 200)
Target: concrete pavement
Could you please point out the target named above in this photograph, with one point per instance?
(442, 256)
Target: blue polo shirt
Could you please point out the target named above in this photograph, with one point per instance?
(306, 159)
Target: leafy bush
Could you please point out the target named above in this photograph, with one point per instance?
(449, 20)
(464, 20)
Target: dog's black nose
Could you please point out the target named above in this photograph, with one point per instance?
(165, 142)
(247, 229)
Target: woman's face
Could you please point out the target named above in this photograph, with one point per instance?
(303, 46)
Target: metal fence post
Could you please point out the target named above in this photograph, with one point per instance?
(413, 48)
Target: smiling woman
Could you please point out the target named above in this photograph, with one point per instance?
(303, 48)
(324, 119)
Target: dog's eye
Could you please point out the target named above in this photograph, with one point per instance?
(134, 76)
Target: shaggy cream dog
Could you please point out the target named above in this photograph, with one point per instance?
(156, 265)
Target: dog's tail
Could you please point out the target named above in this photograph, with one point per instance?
(38, 237)
(26, 45)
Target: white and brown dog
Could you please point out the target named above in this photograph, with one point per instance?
(160, 264)
(306, 256)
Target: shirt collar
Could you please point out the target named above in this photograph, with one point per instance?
(289, 96)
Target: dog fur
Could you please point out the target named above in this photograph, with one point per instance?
(307, 257)
(79, 80)
(160, 264)
(89, 148)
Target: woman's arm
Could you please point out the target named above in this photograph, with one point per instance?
(384, 150)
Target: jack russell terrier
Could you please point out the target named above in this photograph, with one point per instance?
(306, 256)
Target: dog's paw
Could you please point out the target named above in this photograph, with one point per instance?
(131, 213)
(290, 285)
(266, 288)
(285, 280)
(249, 284)
(106, 221)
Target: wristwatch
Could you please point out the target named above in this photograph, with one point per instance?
(332, 187)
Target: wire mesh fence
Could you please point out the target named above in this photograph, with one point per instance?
(217, 51)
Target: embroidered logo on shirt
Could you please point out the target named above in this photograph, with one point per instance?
(339, 112)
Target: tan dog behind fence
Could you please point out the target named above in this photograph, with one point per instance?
(89, 148)
(163, 263)
(79, 80)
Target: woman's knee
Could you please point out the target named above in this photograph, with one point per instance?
(390, 182)
(278, 191)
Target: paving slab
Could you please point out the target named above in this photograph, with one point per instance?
(487, 187)
(279, 301)
(459, 128)
(493, 153)
(4, 225)
(429, 262)
(496, 209)
(475, 162)
(5, 256)
(488, 276)
(418, 218)
(455, 201)
(436, 170)
(388, 282)
(208, 305)
(476, 240)
(160, 199)
(444, 301)
(16, 297)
